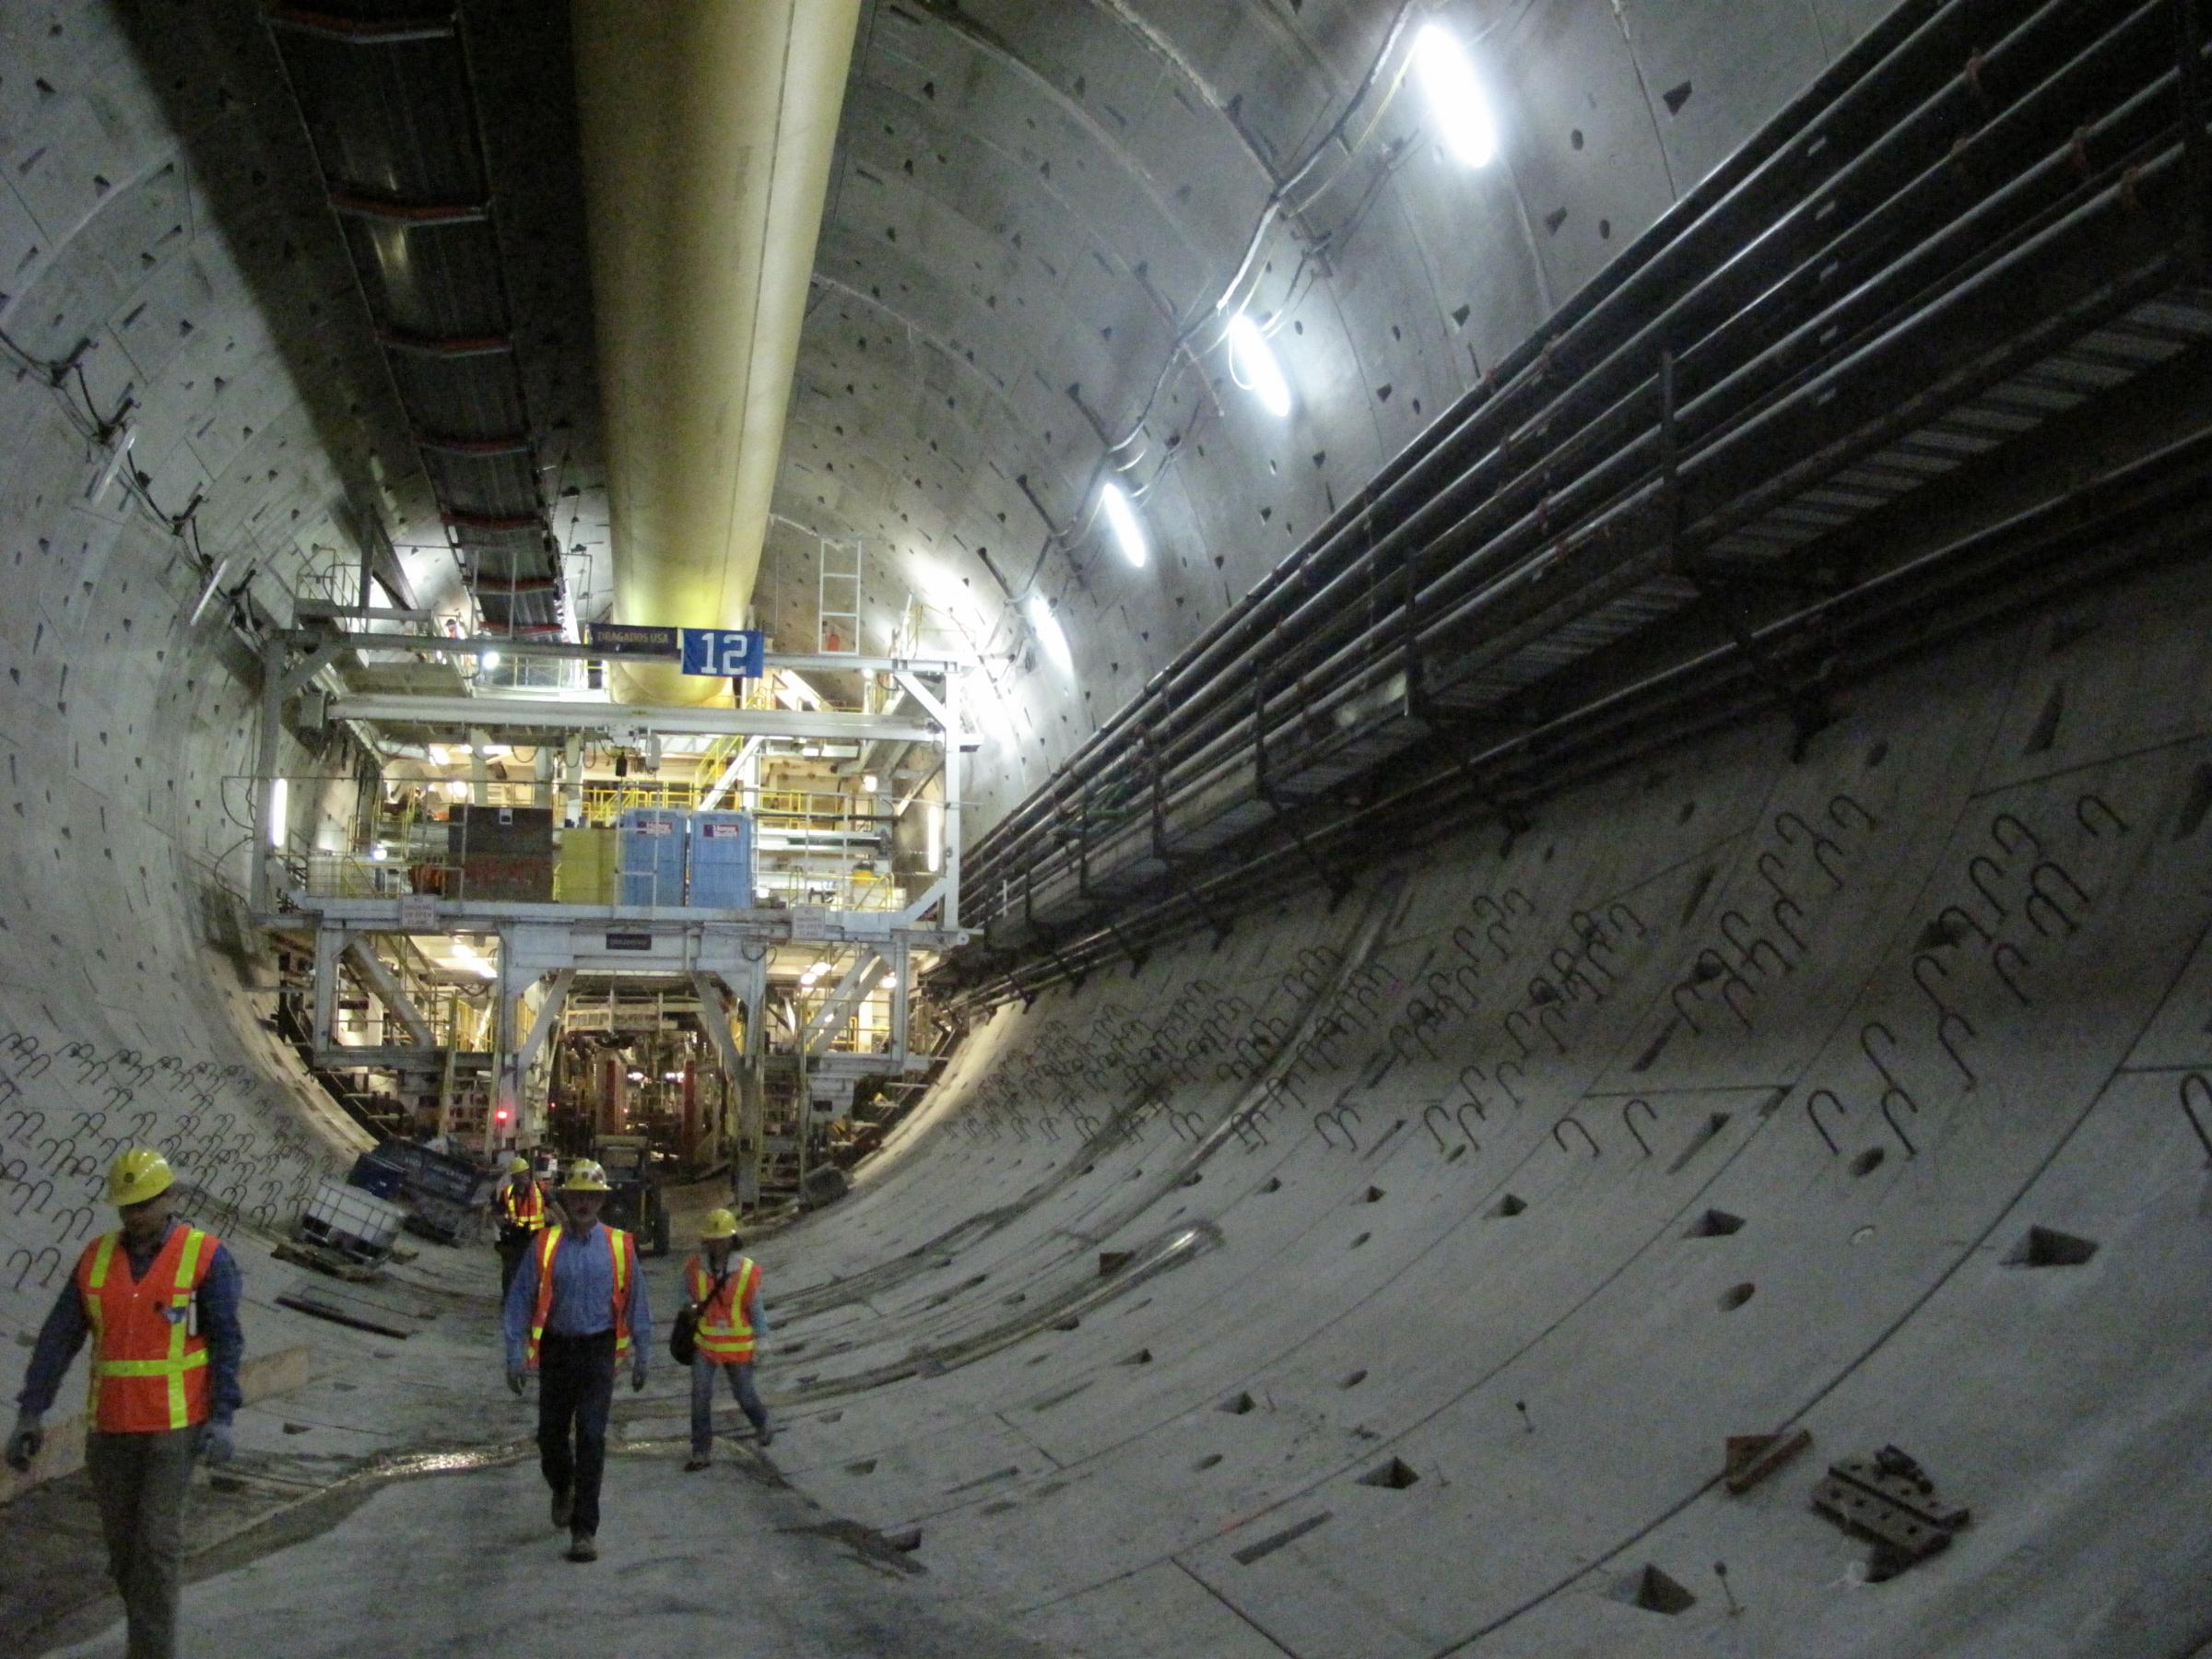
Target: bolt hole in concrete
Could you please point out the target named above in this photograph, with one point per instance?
(867, 1466)
(1393, 1477)
(1654, 1592)
(1862, 1235)
(1509, 1206)
(1069, 1324)
(1142, 1356)
(1354, 1380)
(1736, 1296)
(1272, 1185)
(1238, 1405)
(1362, 1239)
(1867, 1162)
(1374, 1194)
(1207, 1462)
(2047, 1247)
(1456, 1153)
(1714, 1224)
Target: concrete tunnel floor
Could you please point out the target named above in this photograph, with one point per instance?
(441, 1543)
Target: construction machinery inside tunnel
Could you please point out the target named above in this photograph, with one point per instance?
(1405, 802)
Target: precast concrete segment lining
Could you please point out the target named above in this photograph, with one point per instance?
(1970, 950)
(1038, 190)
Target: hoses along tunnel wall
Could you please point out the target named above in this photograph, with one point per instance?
(1427, 1332)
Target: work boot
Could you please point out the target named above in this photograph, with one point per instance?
(564, 1506)
(767, 1436)
(583, 1546)
(698, 1463)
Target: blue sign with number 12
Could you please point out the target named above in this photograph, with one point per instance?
(726, 653)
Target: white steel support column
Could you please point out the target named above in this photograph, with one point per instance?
(479, 769)
(505, 1089)
(571, 777)
(330, 945)
(951, 918)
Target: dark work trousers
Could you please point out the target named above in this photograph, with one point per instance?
(140, 1481)
(575, 1392)
(703, 1374)
(513, 1245)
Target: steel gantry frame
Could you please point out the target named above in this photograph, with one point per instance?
(1680, 501)
(724, 954)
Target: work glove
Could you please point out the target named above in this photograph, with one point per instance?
(24, 1443)
(216, 1446)
(514, 1382)
(637, 1376)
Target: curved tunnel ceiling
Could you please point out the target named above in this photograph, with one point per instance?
(1038, 210)
(1382, 1277)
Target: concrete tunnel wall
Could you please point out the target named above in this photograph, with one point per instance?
(1363, 1237)
(128, 970)
(1069, 1477)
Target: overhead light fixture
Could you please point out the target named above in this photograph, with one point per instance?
(890, 981)
(810, 751)
(933, 829)
(1128, 531)
(1047, 628)
(868, 783)
(636, 1076)
(377, 855)
(456, 791)
(1456, 100)
(280, 802)
(487, 659)
(1254, 367)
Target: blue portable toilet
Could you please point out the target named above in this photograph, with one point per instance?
(652, 856)
(722, 860)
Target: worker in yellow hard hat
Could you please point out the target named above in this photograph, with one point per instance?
(728, 1326)
(159, 1299)
(521, 1207)
(576, 1312)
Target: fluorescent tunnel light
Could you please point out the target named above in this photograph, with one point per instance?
(1255, 368)
(1047, 628)
(1456, 100)
(1128, 530)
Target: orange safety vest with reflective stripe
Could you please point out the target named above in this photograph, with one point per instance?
(528, 1215)
(724, 1332)
(150, 1369)
(626, 1256)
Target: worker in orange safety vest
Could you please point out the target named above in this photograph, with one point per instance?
(728, 1325)
(577, 1313)
(521, 1210)
(158, 1300)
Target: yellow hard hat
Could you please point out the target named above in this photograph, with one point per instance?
(139, 1174)
(584, 1176)
(719, 1224)
(520, 1166)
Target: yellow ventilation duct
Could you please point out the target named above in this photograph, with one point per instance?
(708, 127)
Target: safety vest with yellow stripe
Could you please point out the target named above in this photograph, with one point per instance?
(149, 1366)
(522, 1214)
(625, 1252)
(725, 1331)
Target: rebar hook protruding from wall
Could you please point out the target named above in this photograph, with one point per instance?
(1922, 965)
(2041, 880)
(1473, 1096)
(1512, 1094)
(1434, 1134)
(1891, 1118)
(2007, 959)
(2203, 1096)
(1867, 1036)
(1952, 1022)
(1843, 808)
(1812, 1111)
(1628, 1122)
(2011, 835)
(2091, 806)
(1587, 1136)
(1974, 867)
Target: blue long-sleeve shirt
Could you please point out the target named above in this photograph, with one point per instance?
(584, 1297)
(66, 1328)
